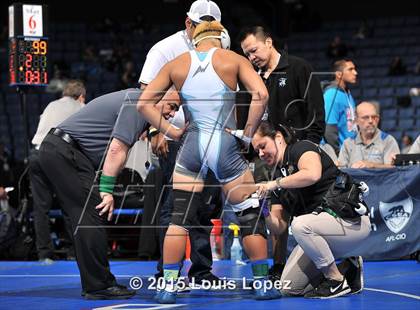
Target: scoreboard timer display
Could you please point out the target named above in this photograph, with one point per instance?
(28, 45)
(28, 61)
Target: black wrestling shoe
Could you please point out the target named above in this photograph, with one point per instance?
(329, 288)
(352, 268)
(113, 292)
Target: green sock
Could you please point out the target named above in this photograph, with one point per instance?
(170, 272)
(260, 268)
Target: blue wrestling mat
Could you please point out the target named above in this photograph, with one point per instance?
(30, 285)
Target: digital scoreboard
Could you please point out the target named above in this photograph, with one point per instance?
(28, 45)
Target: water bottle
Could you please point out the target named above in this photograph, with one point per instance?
(235, 249)
(216, 241)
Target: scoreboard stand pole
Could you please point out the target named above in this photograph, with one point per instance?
(22, 91)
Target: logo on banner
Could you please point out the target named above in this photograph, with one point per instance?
(396, 214)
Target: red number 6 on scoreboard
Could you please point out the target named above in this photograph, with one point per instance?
(32, 22)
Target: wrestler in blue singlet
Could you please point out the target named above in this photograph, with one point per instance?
(209, 111)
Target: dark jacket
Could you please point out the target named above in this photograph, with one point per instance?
(296, 98)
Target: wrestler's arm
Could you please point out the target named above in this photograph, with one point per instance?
(151, 95)
(255, 85)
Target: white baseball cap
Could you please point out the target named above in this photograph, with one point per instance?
(202, 8)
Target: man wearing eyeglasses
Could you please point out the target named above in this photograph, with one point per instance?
(371, 147)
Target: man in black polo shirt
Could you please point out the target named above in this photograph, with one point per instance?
(97, 136)
(296, 100)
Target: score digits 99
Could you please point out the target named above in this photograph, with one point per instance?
(32, 62)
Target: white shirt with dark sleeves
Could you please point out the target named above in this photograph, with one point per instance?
(55, 113)
(380, 150)
(159, 55)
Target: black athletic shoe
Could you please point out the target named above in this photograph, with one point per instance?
(112, 292)
(352, 268)
(329, 289)
(83, 293)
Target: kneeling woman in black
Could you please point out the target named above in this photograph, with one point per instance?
(330, 217)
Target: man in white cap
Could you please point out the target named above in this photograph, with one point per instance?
(161, 53)
(180, 42)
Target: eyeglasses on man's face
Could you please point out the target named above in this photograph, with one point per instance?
(368, 117)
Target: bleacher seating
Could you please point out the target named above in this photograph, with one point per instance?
(392, 36)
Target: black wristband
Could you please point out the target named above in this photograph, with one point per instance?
(153, 133)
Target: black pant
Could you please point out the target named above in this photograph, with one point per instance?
(72, 176)
(201, 256)
(42, 195)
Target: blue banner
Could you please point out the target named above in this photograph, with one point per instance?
(394, 203)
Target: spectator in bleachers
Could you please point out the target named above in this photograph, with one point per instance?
(5, 166)
(4, 198)
(3, 193)
(110, 26)
(90, 61)
(57, 111)
(89, 65)
(139, 26)
(414, 92)
(397, 67)
(7, 176)
(415, 147)
(56, 84)
(371, 147)
(115, 58)
(337, 48)
(364, 31)
(4, 175)
(416, 69)
(339, 104)
(407, 142)
(122, 54)
(129, 76)
(90, 54)
(4, 35)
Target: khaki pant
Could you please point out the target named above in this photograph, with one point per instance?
(321, 239)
